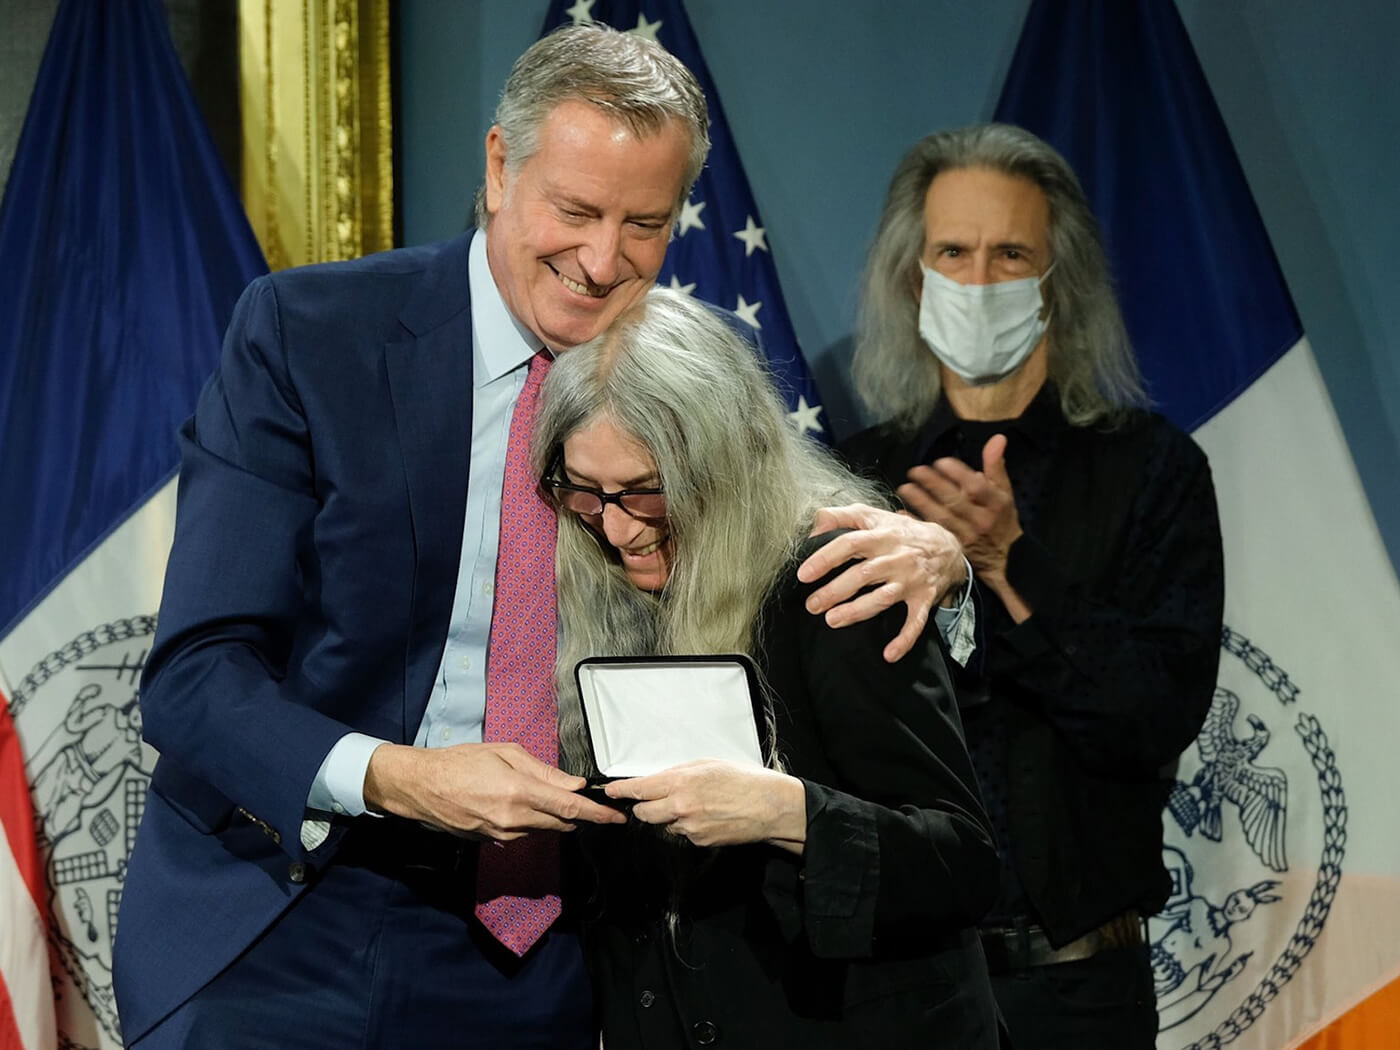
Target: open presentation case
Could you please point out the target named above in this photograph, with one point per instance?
(648, 713)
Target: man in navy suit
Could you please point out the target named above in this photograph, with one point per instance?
(305, 869)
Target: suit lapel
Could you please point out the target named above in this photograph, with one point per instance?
(430, 385)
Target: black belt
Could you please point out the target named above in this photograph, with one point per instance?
(1023, 945)
(439, 869)
(398, 847)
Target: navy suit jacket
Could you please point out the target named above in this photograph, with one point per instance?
(321, 501)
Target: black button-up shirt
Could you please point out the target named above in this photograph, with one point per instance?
(1076, 711)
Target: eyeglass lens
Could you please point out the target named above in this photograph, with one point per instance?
(589, 501)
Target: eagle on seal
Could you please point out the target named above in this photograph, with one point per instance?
(1228, 773)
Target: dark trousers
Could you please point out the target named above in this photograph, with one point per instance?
(376, 956)
(1104, 1002)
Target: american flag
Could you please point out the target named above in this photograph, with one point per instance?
(719, 250)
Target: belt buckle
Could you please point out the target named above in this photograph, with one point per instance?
(1009, 948)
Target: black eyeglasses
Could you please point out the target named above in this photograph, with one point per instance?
(648, 504)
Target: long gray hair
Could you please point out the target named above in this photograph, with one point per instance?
(1090, 359)
(742, 488)
(635, 81)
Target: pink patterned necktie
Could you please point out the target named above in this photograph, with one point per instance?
(518, 882)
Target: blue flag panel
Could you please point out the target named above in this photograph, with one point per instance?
(1116, 87)
(124, 247)
(719, 251)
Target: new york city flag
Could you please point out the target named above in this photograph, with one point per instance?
(1284, 925)
(123, 247)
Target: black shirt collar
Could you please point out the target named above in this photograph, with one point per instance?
(1039, 424)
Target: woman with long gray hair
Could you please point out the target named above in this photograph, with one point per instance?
(828, 899)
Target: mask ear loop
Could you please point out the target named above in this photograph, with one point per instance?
(1044, 302)
(916, 280)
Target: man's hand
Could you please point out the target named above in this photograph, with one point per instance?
(717, 803)
(901, 558)
(977, 507)
(498, 790)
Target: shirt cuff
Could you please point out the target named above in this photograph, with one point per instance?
(339, 786)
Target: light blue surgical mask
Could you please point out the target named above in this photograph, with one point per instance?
(983, 332)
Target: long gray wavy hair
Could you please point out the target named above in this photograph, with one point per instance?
(742, 488)
(1091, 360)
(634, 80)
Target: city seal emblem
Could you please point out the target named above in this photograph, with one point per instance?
(88, 772)
(1255, 835)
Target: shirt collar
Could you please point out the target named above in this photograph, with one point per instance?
(1039, 423)
(1042, 419)
(500, 343)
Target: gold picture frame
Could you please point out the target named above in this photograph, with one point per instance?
(314, 87)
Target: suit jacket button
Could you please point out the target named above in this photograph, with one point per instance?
(705, 1032)
(297, 872)
(647, 998)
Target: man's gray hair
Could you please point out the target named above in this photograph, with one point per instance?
(742, 488)
(635, 81)
(1090, 359)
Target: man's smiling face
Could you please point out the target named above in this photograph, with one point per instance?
(579, 230)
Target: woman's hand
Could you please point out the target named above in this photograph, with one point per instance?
(717, 803)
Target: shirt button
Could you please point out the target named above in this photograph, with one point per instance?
(337, 807)
(466, 663)
(705, 1032)
(647, 998)
(446, 734)
(486, 587)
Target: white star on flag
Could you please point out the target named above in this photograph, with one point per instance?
(676, 285)
(581, 12)
(690, 217)
(753, 237)
(645, 29)
(804, 417)
(749, 312)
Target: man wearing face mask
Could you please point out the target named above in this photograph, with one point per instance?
(991, 341)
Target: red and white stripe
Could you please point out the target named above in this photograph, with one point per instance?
(26, 992)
